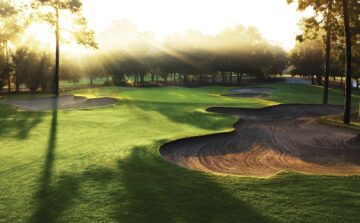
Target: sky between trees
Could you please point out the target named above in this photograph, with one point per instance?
(276, 20)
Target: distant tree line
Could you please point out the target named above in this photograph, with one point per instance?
(137, 59)
(195, 58)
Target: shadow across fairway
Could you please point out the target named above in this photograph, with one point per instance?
(157, 193)
(52, 197)
(148, 189)
(18, 124)
(143, 187)
(187, 113)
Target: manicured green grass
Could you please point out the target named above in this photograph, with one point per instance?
(297, 93)
(337, 121)
(103, 165)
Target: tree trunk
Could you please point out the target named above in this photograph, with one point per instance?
(17, 84)
(347, 109)
(231, 78)
(7, 66)
(327, 56)
(213, 78)
(318, 80)
(312, 80)
(91, 80)
(57, 55)
(357, 82)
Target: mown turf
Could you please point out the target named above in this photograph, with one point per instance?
(103, 165)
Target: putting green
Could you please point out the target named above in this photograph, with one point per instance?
(104, 164)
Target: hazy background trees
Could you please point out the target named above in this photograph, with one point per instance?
(129, 57)
(13, 21)
(191, 58)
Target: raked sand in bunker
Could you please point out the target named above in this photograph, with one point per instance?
(62, 102)
(250, 92)
(270, 140)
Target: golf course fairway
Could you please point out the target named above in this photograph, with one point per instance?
(104, 165)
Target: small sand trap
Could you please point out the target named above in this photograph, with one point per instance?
(62, 102)
(252, 90)
(248, 95)
(270, 140)
(256, 92)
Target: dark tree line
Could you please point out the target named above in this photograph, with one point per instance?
(338, 24)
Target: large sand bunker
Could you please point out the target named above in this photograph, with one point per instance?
(270, 140)
(62, 102)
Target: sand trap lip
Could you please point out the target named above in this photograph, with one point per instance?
(271, 140)
(248, 95)
(62, 102)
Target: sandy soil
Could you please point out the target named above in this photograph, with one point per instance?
(62, 102)
(270, 140)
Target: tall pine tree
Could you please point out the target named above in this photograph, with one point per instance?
(53, 11)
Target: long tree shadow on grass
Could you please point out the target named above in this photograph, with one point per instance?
(188, 114)
(52, 197)
(145, 188)
(18, 124)
(156, 192)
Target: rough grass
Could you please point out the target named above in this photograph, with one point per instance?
(103, 165)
